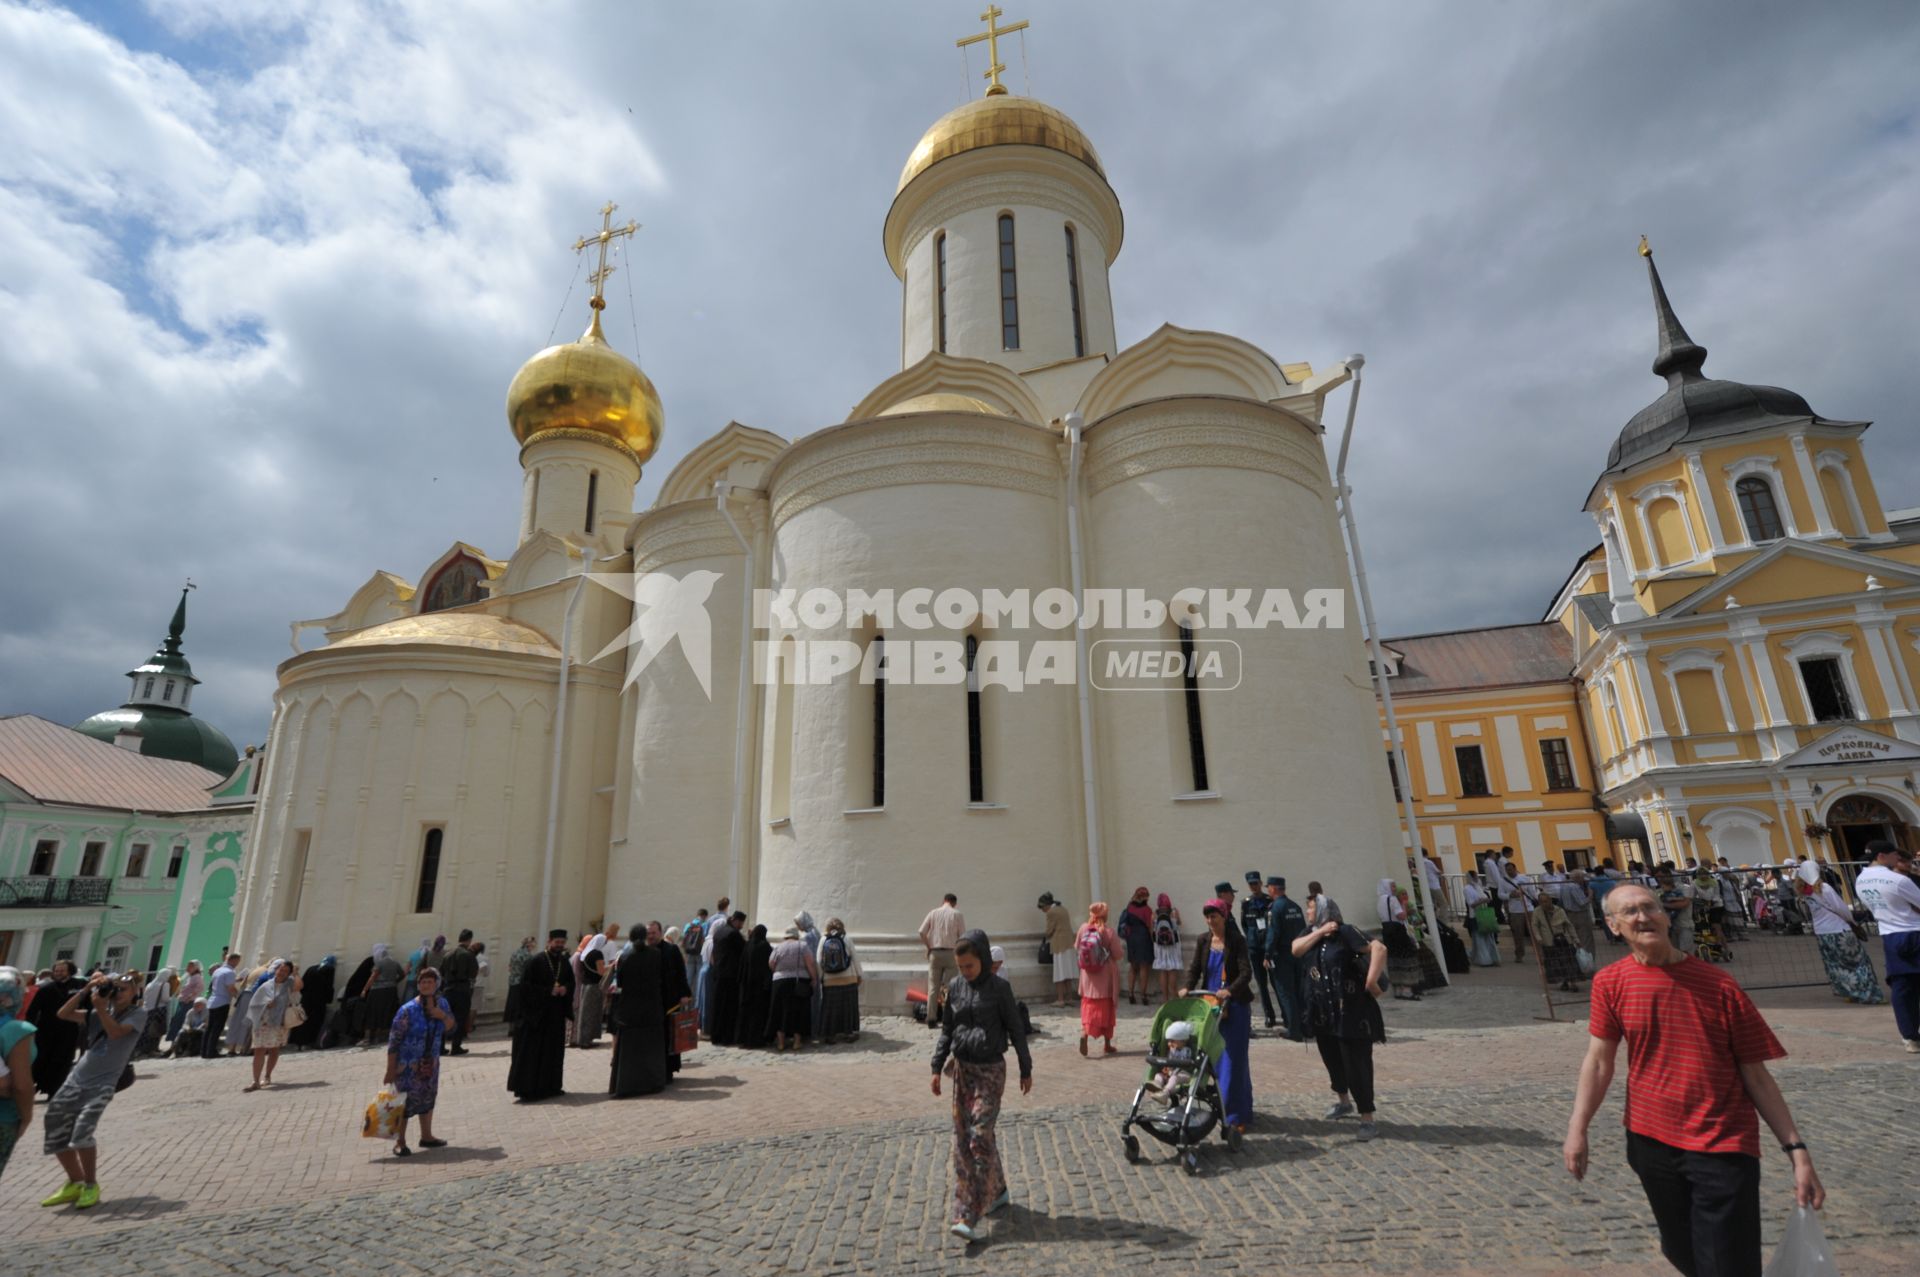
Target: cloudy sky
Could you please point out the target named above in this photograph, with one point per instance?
(267, 266)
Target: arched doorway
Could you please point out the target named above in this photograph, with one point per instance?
(1858, 819)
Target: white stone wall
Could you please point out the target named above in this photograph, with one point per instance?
(559, 471)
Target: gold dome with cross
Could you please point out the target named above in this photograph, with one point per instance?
(586, 386)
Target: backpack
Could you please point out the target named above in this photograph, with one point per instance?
(1165, 933)
(833, 954)
(1092, 947)
(692, 938)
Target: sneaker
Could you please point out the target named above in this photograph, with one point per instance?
(1366, 1132)
(964, 1231)
(1913, 1046)
(89, 1196)
(71, 1193)
(999, 1201)
(1338, 1110)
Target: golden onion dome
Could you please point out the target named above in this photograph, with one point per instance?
(999, 119)
(586, 386)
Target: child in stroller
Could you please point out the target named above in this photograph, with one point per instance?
(1169, 1085)
(1178, 1102)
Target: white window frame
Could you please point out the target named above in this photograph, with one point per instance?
(146, 867)
(1821, 643)
(1835, 460)
(1666, 490)
(33, 845)
(1763, 468)
(1698, 658)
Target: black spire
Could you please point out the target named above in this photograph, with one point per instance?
(1680, 358)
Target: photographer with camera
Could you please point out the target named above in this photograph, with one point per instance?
(108, 1011)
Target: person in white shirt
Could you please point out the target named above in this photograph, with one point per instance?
(1887, 888)
(1520, 903)
(1437, 900)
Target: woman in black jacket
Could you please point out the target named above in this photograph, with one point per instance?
(1220, 966)
(980, 1020)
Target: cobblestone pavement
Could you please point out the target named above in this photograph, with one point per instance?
(838, 1162)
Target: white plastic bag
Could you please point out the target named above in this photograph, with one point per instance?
(1585, 960)
(1803, 1249)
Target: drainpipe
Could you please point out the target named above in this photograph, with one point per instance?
(1076, 561)
(1345, 496)
(559, 744)
(723, 489)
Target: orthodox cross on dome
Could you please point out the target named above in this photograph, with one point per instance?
(607, 233)
(992, 36)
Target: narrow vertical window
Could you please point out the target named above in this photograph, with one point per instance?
(879, 648)
(153, 958)
(148, 691)
(1073, 294)
(166, 690)
(1393, 774)
(1757, 510)
(176, 859)
(1009, 292)
(90, 859)
(593, 495)
(429, 871)
(1196, 738)
(780, 795)
(940, 278)
(137, 860)
(295, 884)
(976, 771)
(43, 854)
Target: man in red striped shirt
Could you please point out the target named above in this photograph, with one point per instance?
(1697, 1083)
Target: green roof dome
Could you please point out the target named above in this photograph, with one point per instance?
(159, 717)
(166, 733)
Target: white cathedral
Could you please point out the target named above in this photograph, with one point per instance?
(460, 753)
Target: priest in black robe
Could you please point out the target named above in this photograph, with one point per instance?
(540, 1038)
(639, 1022)
(723, 1013)
(675, 989)
(756, 992)
(56, 1041)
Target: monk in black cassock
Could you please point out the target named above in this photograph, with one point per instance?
(675, 989)
(756, 991)
(639, 1022)
(540, 1039)
(56, 1041)
(729, 951)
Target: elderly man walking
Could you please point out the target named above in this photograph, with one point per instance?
(1697, 1082)
(940, 931)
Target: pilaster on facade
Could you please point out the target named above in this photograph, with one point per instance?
(1657, 737)
(1816, 498)
(1709, 510)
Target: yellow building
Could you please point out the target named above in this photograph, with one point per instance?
(1742, 647)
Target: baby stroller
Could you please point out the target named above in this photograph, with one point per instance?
(1190, 1114)
(1710, 932)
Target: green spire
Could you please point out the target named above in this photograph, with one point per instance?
(168, 658)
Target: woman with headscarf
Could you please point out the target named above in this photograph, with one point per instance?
(589, 968)
(1403, 954)
(675, 989)
(982, 1019)
(1220, 966)
(794, 975)
(316, 995)
(267, 1013)
(1136, 931)
(517, 967)
(56, 1040)
(1841, 953)
(192, 986)
(1482, 928)
(840, 984)
(723, 1014)
(153, 1001)
(239, 1036)
(16, 1063)
(383, 992)
(1099, 952)
(1554, 936)
(810, 936)
(637, 1017)
(416, 960)
(413, 1057)
(1166, 945)
(756, 990)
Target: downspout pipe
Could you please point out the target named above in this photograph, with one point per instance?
(1076, 559)
(722, 492)
(559, 744)
(1354, 364)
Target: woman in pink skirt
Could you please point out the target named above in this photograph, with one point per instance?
(1100, 953)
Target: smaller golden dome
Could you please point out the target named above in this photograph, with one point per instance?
(586, 385)
(999, 119)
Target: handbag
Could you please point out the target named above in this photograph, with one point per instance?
(685, 1023)
(1486, 920)
(295, 1017)
(127, 1078)
(1046, 954)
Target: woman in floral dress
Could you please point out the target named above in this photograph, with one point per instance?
(413, 1057)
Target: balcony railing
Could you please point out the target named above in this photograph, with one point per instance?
(52, 893)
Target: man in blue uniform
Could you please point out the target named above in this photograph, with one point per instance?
(1286, 922)
(1253, 923)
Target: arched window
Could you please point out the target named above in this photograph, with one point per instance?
(780, 791)
(593, 496)
(429, 870)
(166, 690)
(1073, 294)
(1196, 737)
(878, 649)
(149, 688)
(940, 284)
(1757, 509)
(976, 770)
(1009, 289)
(454, 585)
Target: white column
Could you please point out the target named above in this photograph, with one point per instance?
(83, 949)
(1708, 510)
(1816, 499)
(26, 950)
